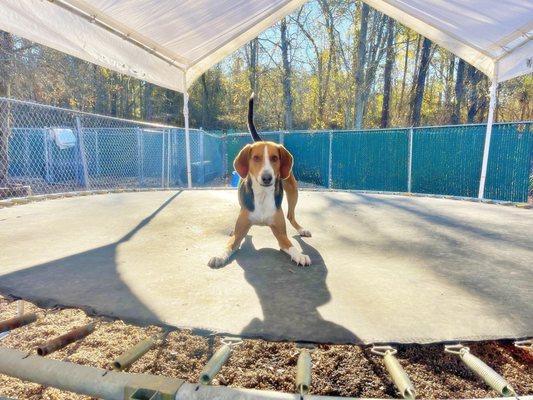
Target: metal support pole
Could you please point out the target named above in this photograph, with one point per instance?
(187, 139)
(330, 161)
(488, 133)
(410, 160)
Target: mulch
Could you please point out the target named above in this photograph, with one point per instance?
(339, 370)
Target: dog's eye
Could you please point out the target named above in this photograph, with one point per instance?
(256, 158)
(274, 159)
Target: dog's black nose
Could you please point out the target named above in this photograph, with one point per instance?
(266, 178)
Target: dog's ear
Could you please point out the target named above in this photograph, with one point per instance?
(286, 162)
(241, 162)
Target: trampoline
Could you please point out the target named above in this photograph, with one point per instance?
(386, 268)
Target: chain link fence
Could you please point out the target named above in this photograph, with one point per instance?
(46, 149)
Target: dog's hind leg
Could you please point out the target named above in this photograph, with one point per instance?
(291, 190)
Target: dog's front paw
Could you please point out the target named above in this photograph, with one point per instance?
(304, 232)
(298, 257)
(217, 262)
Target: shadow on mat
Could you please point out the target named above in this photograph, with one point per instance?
(289, 296)
(87, 278)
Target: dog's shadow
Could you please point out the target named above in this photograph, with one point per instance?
(289, 295)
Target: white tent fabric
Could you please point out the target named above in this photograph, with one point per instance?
(172, 42)
(160, 41)
(482, 32)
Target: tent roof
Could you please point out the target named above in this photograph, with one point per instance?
(172, 42)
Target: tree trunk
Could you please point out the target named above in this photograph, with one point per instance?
(6, 70)
(405, 64)
(459, 91)
(254, 49)
(473, 77)
(148, 101)
(360, 67)
(287, 96)
(389, 64)
(448, 105)
(205, 102)
(100, 91)
(418, 96)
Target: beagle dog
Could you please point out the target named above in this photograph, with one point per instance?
(266, 172)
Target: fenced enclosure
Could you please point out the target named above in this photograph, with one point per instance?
(45, 149)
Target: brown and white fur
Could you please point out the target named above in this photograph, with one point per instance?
(266, 172)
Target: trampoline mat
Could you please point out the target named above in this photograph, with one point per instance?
(385, 268)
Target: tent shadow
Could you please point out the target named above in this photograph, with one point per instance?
(289, 296)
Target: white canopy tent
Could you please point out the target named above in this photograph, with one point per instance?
(172, 42)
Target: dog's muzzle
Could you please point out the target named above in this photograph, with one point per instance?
(266, 179)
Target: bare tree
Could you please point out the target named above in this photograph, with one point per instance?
(369, 55)
(418, 94)
(205, 101)
(404, 75)
(323, 72)
(6, 70)
(252, 51)
(473, 77)
(387, 74)
(459, 91)
(287, 95)
(360, 67)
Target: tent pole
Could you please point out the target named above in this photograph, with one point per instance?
(187, 138)
(488, 132)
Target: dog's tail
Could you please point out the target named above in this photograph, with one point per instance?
(251, 126)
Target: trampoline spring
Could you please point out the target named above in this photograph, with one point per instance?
(524, 344)
(66, 339)
(215, 363)
(17, 322)
(303, 372)
(140, 349)
(20, 308)
(397, 373)
(482, 370)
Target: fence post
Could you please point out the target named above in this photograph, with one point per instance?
(225, 153)
(169, 151)
(409, 160)
(97, 151)
(282, 137)
(163, 158)
(330, 161)
(83, 157)
(139, 155)
(201, 156)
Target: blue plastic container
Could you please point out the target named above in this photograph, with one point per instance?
(235, 179)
